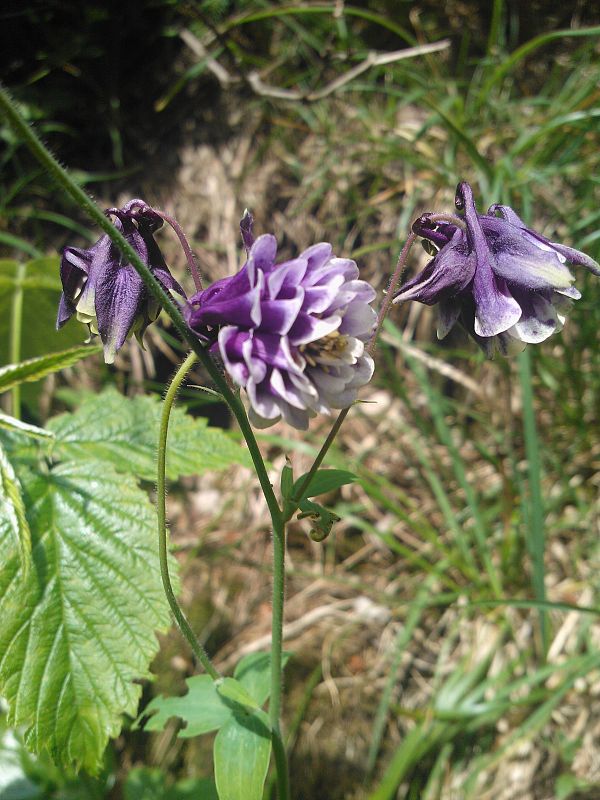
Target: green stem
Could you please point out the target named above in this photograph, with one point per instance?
(16, 324)
(184, 625)
(276, 656)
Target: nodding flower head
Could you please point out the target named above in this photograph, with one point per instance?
(292, 334)
(506, 284)
(104, 291)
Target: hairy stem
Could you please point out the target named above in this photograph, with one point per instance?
(279, 752)
(184, 625)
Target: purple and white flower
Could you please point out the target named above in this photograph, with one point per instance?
(506, 284)
(293, 334)
(104, 291)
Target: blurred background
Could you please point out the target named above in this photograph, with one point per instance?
(445, 637)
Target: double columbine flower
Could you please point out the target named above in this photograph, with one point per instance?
(104, 291)
(292, 334)
(506, 284)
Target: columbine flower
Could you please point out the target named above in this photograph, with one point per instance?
(506, 284)
(292, 334)
(104, 291)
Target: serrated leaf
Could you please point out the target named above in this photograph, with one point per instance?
(230, 689)
(242, 751)
(15, 425)
(79, 629)
(34, 369)
(124, 431)
(254, 673)
(324, 480)
(12, 511)
(201, 708)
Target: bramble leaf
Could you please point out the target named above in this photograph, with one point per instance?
(78, 629)
(12, 510)
(124, 431)
(34, 369)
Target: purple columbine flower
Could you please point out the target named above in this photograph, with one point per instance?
(506, 284)
(292, 334)
(104, 291)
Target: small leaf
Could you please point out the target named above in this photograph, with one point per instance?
(15, 425)
(78, 630)
(146, 783)
(12, 510)
(202, 708)
(34, 369)
(254, 673)
(321, 518)
(124, 431)
(242, 751)
(324, 480)
(287, 480)
(232, 690)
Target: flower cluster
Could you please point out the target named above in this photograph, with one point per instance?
(104, 291)
(292, 334)
(506, 284)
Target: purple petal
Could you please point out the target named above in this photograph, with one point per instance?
(286, 276)
(119, 296)
(278, 316)
(538, 318)
(448, 313)
(577, 257)
(263, 252)
(445, 276)
(246, 224)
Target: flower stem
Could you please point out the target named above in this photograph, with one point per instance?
(389, 295)
(279, 752)
(191, 260)
(184, 625)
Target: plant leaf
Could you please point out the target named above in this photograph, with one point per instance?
(324, 480)
(34, 369)
(12, 510)
(202, 708)
(145, 783)
(79, 628)
(254, 673)
(15, 425)
(242, 751)
(233, 690)
(124, 431)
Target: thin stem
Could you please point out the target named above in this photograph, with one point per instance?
(64, 180)
(16, 324)
(283, 789)
(191, 259)
(389, 295)
(184, 625)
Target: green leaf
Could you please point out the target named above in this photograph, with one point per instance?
(12, 511)
(34, 369)
(78, 630)
(230, 689)
(208, 705)
(15, 425)
(124, 431)
(254, 673)
(324, 480)
(202, 708)
(242, 751)
(287, 480)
